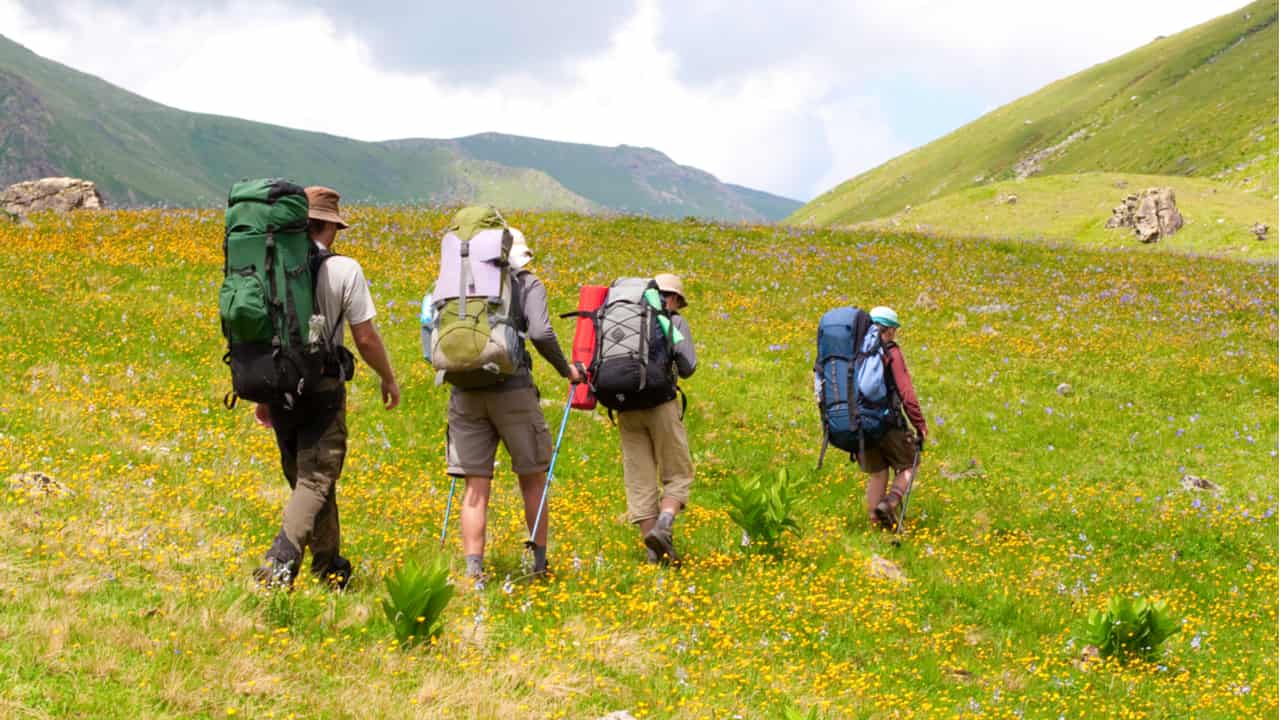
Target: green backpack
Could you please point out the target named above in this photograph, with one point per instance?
(267, 296)
(475, 333)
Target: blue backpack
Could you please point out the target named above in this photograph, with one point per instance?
(854, 394)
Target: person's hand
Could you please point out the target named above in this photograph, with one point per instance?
(390, 394)
(577, 374)
(262, 414)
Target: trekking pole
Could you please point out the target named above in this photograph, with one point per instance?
(448, 505)
(902, 511)
(551, 469)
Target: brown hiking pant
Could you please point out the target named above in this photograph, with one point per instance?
(313, 445)
(655, 459)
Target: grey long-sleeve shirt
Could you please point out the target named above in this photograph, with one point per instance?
(537, 318)
(537, 326)
(686, 360)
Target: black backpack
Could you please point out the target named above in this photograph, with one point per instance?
(634, 363)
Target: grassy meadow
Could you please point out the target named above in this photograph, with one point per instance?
(1075, 209)
(1070, 394)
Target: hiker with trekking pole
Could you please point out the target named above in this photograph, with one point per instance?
(643, 348)
(863, 390)
(485, 302)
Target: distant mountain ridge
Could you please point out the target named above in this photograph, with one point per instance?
(1201, 103)
(58, 121)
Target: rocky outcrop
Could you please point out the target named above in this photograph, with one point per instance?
(1152, 213)
(58, 193)
(1030, 165)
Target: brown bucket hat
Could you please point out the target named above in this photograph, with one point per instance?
(323, 205)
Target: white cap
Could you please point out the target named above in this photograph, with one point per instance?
(884, 317)
(520, 252)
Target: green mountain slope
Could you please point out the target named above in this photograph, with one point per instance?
(773, 207)
(1200, 103)
(631, 179)
(57, 121)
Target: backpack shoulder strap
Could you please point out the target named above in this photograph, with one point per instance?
(319, 257)
(517, 300)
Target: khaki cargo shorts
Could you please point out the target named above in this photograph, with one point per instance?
(479, 419)
(896, 449)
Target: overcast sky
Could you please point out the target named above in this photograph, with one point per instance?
(787, 96)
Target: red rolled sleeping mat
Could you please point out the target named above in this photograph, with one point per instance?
(590, 298)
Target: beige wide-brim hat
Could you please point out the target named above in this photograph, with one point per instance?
(672, 284)
(322, 204)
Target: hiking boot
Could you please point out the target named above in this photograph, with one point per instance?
(650, 556)
(660, 540)
(887, 510)
(338, 574)
(276, 574)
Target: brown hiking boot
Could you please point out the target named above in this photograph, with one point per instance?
(660, 540)
(887, 510)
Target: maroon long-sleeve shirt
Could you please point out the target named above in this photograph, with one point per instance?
(902, 380)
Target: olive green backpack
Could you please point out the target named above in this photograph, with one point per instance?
(267, 296)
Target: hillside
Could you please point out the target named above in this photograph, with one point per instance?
(1219, 219)
(630, 179)
(57, 121)
(1073, 399)
(1201, 103)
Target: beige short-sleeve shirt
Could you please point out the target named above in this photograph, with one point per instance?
(341, 287)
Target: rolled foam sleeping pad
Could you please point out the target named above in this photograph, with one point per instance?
(590, 298)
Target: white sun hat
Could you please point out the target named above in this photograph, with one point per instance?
(520, 252)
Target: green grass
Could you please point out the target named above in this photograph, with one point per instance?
(1075, 208)
(1201, 103)
(132, 597)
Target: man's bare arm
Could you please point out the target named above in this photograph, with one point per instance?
(374, 353)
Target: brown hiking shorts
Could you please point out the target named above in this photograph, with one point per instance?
(479, 419)
(896, 449)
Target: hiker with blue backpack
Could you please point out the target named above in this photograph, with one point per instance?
(863, 390)
(283, 304)
(484, 304)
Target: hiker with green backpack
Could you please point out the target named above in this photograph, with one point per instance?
(484, 304)
(284, 302)
(643, 348)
